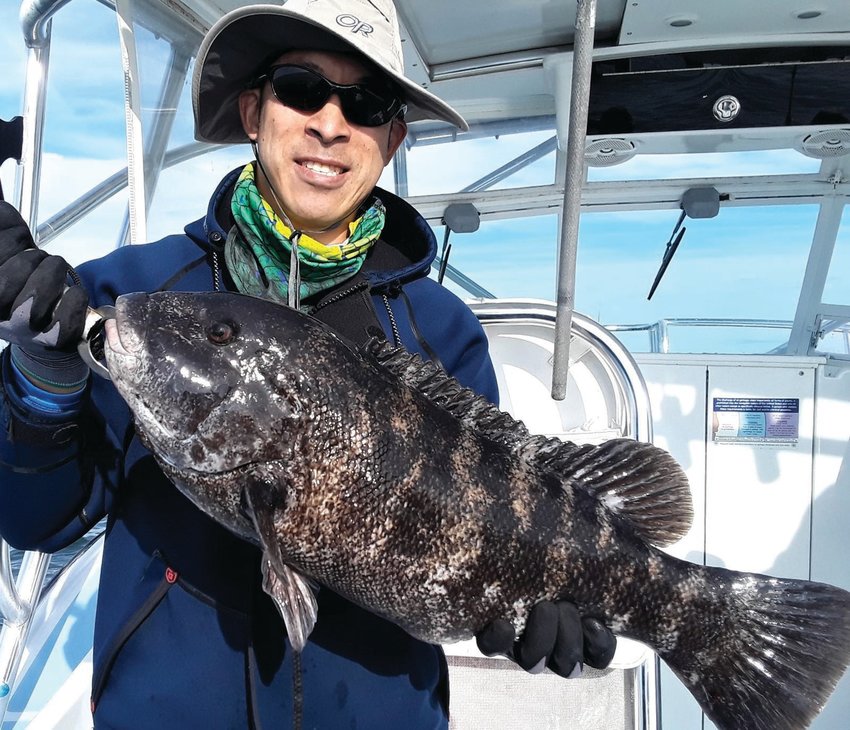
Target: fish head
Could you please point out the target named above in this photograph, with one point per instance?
(210, 378)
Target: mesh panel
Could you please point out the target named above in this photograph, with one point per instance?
(497, 695)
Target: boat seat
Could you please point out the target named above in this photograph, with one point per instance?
(496, 694)
(606, 396)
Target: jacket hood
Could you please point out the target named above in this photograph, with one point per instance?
(406, 249)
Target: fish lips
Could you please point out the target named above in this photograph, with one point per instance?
(125, 334)
(128, 358)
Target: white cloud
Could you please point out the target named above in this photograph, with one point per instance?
(448, 168)
(14, 59)
(64, 180)
(182, 196)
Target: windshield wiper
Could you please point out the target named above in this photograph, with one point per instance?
(672, 246)
(696, 203)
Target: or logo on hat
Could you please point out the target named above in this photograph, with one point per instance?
(354, 23)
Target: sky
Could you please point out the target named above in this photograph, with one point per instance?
(746, 262)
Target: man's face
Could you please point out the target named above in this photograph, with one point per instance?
(321, 165)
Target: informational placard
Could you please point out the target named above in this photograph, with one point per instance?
(756, 420)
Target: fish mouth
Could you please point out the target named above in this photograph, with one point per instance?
(114, 344)
(124, 334)
(128, 334)
(124, 340)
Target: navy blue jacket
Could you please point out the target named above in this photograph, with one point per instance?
(185, 637)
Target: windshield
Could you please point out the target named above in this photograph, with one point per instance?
(746, 263)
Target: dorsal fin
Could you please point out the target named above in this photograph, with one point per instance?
(637, 481)
(472, 409)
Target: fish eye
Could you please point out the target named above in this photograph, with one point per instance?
(221, 333)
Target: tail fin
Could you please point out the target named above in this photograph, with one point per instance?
(772, 659)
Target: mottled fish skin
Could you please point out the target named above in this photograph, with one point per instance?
(443, 520)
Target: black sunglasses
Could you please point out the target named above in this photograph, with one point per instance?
(366, 104)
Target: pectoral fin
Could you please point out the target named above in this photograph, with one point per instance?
(294, 597)
(292, 593)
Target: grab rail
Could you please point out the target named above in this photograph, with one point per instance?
(18, 598)
(659, 332)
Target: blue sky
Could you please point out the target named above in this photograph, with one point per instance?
(13, 65)
(744, 263)
(85, 71)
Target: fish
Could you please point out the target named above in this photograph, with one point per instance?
(370, 472)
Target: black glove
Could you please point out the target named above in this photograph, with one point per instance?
(555, 636)
(38, 310)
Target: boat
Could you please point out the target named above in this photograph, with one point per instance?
(647, 214)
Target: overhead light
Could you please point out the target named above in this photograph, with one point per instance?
(808, 14)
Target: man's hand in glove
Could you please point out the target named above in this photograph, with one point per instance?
(555, 636)
(37, 309)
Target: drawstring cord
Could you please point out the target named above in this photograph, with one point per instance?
(293, 293)
(398, 292)
(294, 288)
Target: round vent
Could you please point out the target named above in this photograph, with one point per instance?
(827, 144)
(608, 152)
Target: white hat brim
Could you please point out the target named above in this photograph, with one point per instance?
(235, 49)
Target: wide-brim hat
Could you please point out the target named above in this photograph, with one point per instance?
(233, 51)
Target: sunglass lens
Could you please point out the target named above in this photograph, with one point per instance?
(368, 107)
(300, 88)
(307, 91)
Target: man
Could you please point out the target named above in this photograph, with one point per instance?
(185, 636)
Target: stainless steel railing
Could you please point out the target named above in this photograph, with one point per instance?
(18, 598)
(659, 332)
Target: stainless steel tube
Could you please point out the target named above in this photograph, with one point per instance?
(580, 99)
